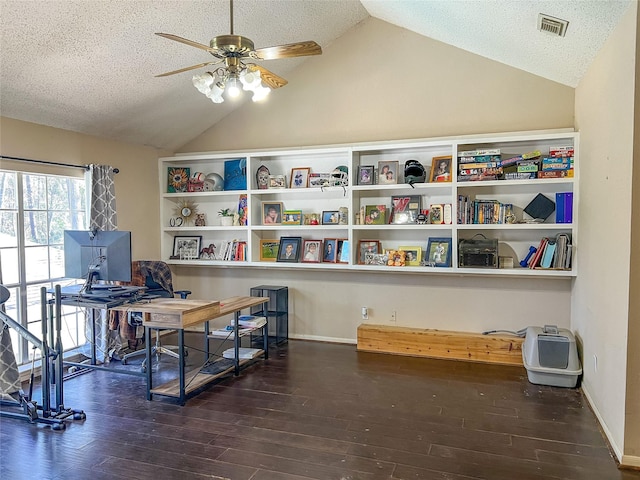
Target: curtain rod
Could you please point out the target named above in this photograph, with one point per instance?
(19, 159)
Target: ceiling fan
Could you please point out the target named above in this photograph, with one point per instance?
(235, 55)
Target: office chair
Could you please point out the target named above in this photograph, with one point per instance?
(156, 276)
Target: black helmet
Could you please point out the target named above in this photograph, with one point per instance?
(414, 172)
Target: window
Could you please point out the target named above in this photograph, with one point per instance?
(35, 210)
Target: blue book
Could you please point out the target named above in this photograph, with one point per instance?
(547, 256)
(235, 174)
(560, 207)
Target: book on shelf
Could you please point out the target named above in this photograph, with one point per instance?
(228, 333)
(564, 207)
(554, 173)
(250, 321)
(243, 353)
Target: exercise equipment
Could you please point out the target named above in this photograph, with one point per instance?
(53, 414)
(525, 262)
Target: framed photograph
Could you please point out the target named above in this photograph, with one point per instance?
(365, 175)
(299, 177)
(330, 251)
(312, 251)
(289, 249)
(178, 178)
(367, 247)
(376, 258)
(412, 255)
(440, 169)
(269, 250)
(404, 209)
(438, 252)
(292, 217)
(396, 258)
(388, 173)
(186, 247)
(271, 213)
(436, 214)
(375, 215)
(277, 181)
(343, 253)
(330, 217)
(317, 180)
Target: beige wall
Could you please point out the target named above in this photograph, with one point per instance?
(601, 300)
(381, 82)
(632, 407)
(137, 186)
(426, 89)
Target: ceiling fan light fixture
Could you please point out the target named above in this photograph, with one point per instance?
(250, 80)
(260, 93)
(233, 87)
(203, 82)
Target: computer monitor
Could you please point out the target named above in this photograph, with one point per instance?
(97, 255)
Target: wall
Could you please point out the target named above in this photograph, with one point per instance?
(600, 306)
(136, 185)
(380, 82)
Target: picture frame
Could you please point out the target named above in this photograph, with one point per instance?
(319, 180)
(292, 217)
(269, 249)
(277, 181)
(271, 213)
(396, 258)
(367, 246)
(412, 255)
(330, 250)
(438, 252)
(375, 215)
(178, 179)
(344, 252)
(311, 219)
(312, 251)
(440, 169)
(330, 217)
(436, 213)
(186, 247)
(299, 177)
(376, 258)
(405, 209)
(388, 172)
(365, 174)
(289, 249)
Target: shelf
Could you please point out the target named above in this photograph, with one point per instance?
(514, 239)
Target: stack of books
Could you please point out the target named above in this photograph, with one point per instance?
(478, 165)
(243, 353)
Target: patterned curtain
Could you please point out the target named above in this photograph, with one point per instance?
(102, 217)
(103, 198)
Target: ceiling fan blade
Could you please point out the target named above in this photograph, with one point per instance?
(186, 69)
(270, 78)
(188, 42)
(299, 49)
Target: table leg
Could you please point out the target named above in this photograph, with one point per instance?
(236, 341)
(147, 341)
(265, 333)
(181, 361)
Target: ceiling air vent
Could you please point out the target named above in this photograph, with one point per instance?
(551, 25)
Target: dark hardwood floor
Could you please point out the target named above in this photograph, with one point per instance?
(320, 411)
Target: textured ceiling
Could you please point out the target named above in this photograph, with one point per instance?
(88, 65)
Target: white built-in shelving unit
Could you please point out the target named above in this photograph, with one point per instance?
(514, 239)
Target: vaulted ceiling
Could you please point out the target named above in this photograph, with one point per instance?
(89, 65)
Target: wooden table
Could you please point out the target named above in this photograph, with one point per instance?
(178, 314)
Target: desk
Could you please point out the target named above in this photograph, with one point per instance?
(177, 314)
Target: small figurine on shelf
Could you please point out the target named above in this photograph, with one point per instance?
(200, 220)
(314, 219)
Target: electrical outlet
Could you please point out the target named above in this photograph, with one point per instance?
(365, 313)
(393, 316)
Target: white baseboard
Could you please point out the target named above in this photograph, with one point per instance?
(315, 338)
(616, 449)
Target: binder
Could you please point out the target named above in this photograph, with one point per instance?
(547, 256)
